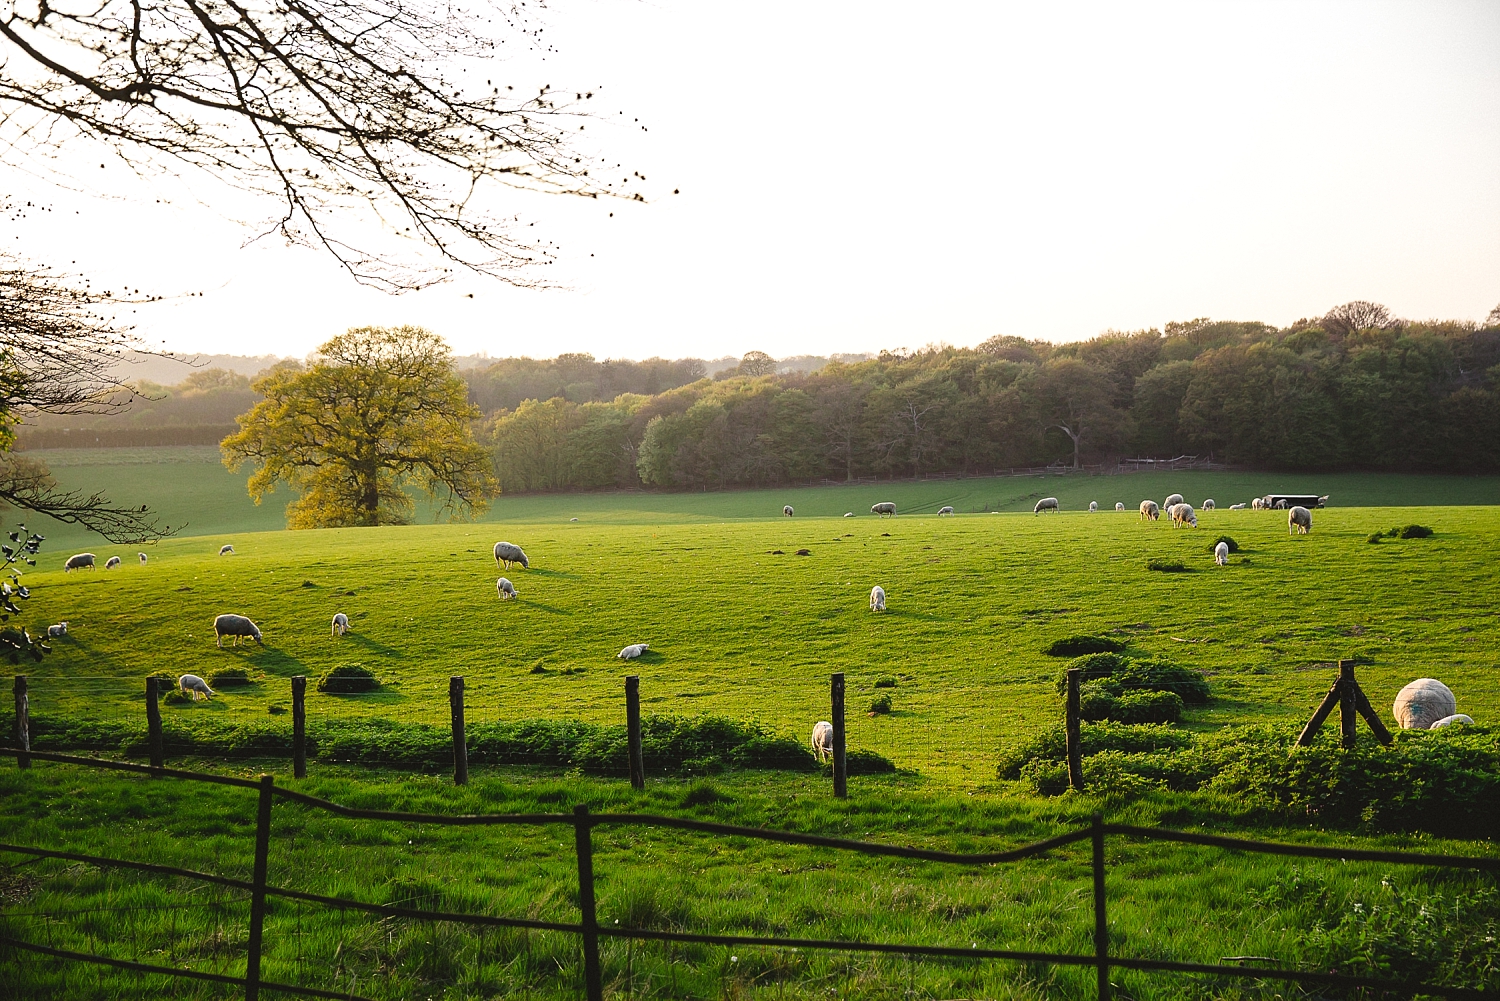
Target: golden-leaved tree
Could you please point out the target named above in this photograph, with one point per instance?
(376, 411)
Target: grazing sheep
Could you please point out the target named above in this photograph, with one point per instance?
(946, 509)
(1119, 506)
(883, 508)
(1149, 510)
(1256, 504)
(1221, 554)
(633, 651)
(1093, 507)
(1450, 720)
(1236, 507)
(143, 558)
(509, 553)
(191, 683)
(1046, 504)
(226, 550)
(787, 510)
(877, 598)
(1280, 505)
(236, 626)
(1209, 504)
(1182, 514)
(848, 514)
(340, 624)
(1166, 505)
(79, 562)
(1422, 703)
(1298, 521)
(112, 562)
(1323, 501)
(58, 631)
(506, 589)
(822, 740)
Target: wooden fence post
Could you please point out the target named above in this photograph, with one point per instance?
(1305, 738)
(1101, 923)
(1075, 734)
(23, 722)
(840, 758)
(1347, 714)
(153, 725)
(460, 748)
(299, 726)
(584, 844)
(258, 892)
(633, 730)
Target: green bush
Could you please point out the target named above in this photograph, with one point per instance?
(1166, 566)
(1134, 707)
(880, 706)
(1234, 547)
(885, 681)
(1412, 532)
(1052, 745)
(347, 679)
(165, 682)
(1077, 646)
(1092, 666)
(1156, 675)
(1374, 537)
(230, 677)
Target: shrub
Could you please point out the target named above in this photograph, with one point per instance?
(230, 677)
(1052, 745)
(164, 682)
(885, 681)
(1374, 537)
(1156, 675)
(1234, 547)
(1413, 532)
(1093, 666)
(1165, 566)
(347, 679)
(880, 706)
(1077, 646)
(1133, 707)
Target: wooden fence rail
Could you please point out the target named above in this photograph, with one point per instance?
(590, 931)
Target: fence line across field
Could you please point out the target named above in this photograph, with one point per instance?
(590, 931)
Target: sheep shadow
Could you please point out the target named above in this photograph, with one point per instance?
(371, 645)
(384, 695)
(552, 573)
(543, 606)
(649, 657)
(273, 661)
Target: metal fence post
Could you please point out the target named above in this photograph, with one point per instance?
(23, 722)
(1075, 734)
(633, 730)
(153, 725)
(258, 893)
(840, 758)
(1101, 925)
(460, 748)
(299, 726)
(584, 843)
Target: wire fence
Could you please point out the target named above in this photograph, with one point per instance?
(257, 891)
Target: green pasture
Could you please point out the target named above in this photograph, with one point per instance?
(741, 631)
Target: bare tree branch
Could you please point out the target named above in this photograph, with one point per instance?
(27, 484)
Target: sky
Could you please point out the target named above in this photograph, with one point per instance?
(864, 176)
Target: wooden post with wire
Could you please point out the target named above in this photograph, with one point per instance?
(22, 733)
(633, 731)
(1352, 703)
(1074, 731)
(460, 746)
(153, 724)
(299, 726)
(840, 758)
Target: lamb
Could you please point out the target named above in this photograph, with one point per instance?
(877, 598)
(1093, 507)
(340, 624)
(509, 553)
(506, 589)
(79, 562)
(633, 651)
(1149, 510)
(58, 631)
(1236, 507)
(1221, 554)
(848, 514)
(1281, 504)
(1256, 504)
(1173, 499)
(112, 562)
(143, 558)
(1209, 504)
(946, 509)
(226, 550)
(883, 508)
(1182, 514)
(1323, 501)
(1422, 703)
(1298, 521)
(787, 510)
(822, 740)
(1450, 720)
(236, 626)
(1119, 506)
(196, 685)
(1046, 504)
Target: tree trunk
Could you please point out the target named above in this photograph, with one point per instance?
(369, 496)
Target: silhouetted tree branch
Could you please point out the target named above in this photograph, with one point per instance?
(27, 484)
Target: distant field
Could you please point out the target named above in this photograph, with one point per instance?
(737, 631)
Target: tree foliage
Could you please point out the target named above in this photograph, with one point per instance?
(377, 410)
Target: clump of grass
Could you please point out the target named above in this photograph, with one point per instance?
(880, 706)
(1077, 646)
(276, 710)
(1234, 547)
(704, 793)
(348, 679)
(230, 677)
(1411, 532)
(1374, 537)
(885, 681)
(538, 668)
(165, 681)
(1166, 566)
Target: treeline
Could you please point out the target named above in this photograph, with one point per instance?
(1355, 389)
(200, 410)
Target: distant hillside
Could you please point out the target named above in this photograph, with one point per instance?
(172, 369)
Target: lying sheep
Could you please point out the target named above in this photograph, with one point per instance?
(1423, 703)
(226, 550)
(1209, 504)
(848, 514)
(1450, 720)
(236, 626)
(79, 562)
(58, 631)
(1046, 504)
(877, 598)
(1119, 506)
(191, 683)
(1182, 514)
(1173, 499)
(822, 740)
(112, 562)
(1149, 510)
(787, 511)
(143, 558)
(633, 651)
(883, 508)
(506, 589)
(1093, 507)
(1236, 507)
(946, 509)
(340, 624)
(1298, 521)
(509, 553)
(1221, 554)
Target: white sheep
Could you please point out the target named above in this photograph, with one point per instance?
(1298, 521)
(1450, 720)
(787, 511)
(505, 588)
(1209, 504)
(822, 740)
(1093, 507)
(877, 598)
(1149, 510)
(508, 553)
(112, 562)
(58, 631)
(883, 508)
(1182, 514)
(1423, 703)
(143, 558)
(848, 514)
(1256, 504)
(572, 519)
(1323, 501)
(340, 624)
(236, 626)
(196, 685)
(1166, 505)
(1221, 554)
(226, 550)
(79, 562)
(1119, 506)
(633, 651)
(946, 509)
(1236, 507)
(1046, 504)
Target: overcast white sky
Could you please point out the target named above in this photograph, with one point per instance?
(858, 176)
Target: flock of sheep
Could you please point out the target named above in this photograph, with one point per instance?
(1298, 519)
